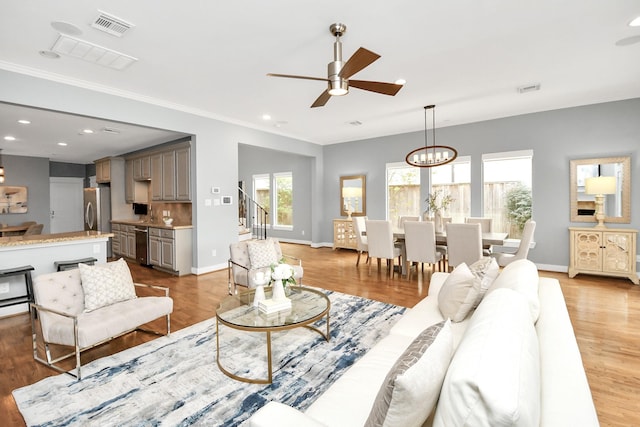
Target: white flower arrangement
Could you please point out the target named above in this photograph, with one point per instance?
(283, 272)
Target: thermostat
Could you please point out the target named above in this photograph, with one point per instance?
(226, 200)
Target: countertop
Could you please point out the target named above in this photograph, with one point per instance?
(150, 224)
(51, 238)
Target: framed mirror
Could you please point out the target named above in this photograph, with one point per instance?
(353, 195)
(617, 206)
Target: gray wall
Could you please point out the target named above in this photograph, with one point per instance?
(255, 160)
(33, 173)
(556, 137)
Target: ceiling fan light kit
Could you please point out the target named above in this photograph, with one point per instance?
(431, 155)
(339, 72)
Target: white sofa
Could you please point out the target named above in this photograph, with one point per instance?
(544, 384)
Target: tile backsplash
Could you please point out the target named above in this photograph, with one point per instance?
(180, 212)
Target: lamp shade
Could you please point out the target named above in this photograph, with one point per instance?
(352, 192)
(600, 185)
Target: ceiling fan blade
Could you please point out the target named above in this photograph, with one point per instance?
(378, 87)
(290, 76)
(322, 99)
(359, 60)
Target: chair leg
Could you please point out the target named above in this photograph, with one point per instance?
(358, 260)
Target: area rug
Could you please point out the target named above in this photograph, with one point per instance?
(175, 381)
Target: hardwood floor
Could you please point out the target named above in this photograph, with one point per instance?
(605, 313)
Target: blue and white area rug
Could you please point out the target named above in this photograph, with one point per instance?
(175, 381)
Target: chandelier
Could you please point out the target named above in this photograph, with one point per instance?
(1, 169)
(431, 155)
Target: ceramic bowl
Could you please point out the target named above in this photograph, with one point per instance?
(168, 221)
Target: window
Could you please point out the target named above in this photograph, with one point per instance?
(455, 179)
(283, 200)
(507, 190)
(403, 191)
(261, 194)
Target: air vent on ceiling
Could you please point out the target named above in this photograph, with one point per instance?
(529, 88)
(111, 24)
(67, 45)
(110, 130)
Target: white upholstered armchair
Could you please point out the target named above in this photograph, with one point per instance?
(250, 256)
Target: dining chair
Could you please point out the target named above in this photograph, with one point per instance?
(420, 244)
(464, 243)
(362, 245)
(486, 225)
(402, 219)
(381, 244)
(34, 229)
(504, 259)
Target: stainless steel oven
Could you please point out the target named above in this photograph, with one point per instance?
(142, 244)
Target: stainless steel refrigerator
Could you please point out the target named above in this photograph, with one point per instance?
(97, 211)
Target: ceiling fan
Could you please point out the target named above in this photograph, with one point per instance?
(339, 72)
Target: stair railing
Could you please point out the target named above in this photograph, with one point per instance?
(253, 215)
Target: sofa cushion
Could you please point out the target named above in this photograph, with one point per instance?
(458, 294)
(411, 388)
(521, 276)
(494, 376)
(486, 271)
(106, 284)
(262, 253)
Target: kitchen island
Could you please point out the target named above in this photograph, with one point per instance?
(41, 251)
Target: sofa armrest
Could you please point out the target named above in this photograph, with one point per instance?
(49, 310)
(280, 415)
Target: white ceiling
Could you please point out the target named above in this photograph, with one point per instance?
(211, 58)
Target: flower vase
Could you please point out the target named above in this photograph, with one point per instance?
(278, 291)
(259, 295)
(437, 222)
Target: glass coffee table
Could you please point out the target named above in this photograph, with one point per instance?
(237, 312)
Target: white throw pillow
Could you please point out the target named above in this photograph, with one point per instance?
(410, 390)
(106, 284)
(486, 271)
(458, 293)
(494, 377)
(262, 253)
(521, 276)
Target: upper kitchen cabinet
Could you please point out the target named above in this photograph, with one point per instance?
(142, 168)
(103, 171)
(134, 191)
(171, 174)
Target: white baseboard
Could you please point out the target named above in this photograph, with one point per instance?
(551, 267)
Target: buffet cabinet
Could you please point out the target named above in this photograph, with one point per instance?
(343, 234)
(603, 251)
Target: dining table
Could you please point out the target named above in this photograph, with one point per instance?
(13, 230)
(488, 239)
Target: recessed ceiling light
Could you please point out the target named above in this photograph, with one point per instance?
(49, 54)
(87, 131)
(62, 144)
(9, 138)
(24, 122)
(635, 22)
(400, 82)
(266, 117)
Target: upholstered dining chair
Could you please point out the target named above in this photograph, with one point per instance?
(403, 219)
(359, 228)
(486, 224)
(34, 229)
(464, 243)
(381, 244)
(505, 259)
(420, 244)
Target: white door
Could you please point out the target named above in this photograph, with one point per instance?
(65, 204)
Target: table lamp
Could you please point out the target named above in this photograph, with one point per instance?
(599, 186)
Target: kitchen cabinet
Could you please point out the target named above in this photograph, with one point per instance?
(115, 240)
(170, 249)
(103, 171)
(124, 240)
(603, 252)
(134, 191)
(142, 168)
(343, 234)
(171, 174)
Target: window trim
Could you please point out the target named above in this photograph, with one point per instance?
(274, 207)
